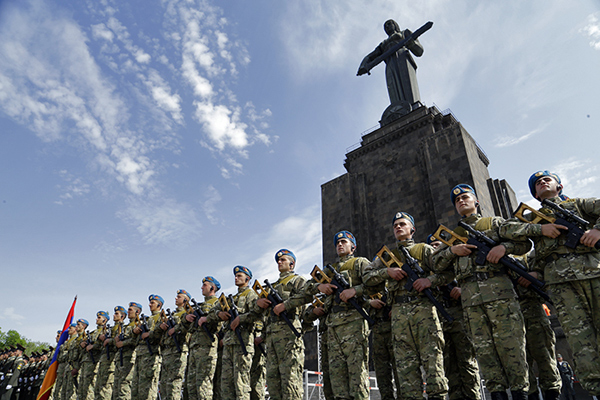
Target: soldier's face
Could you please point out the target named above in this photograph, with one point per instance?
(180, 300)
(81, 327)
(546, 187)
(132, 312)
(241, 279)
(285, 264)
(206, 288)
(154, 305)
(100, 320)
(344, 247)
(466, 204)
(402, 229)
(72, 330)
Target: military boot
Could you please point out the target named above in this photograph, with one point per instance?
(519, 395)
(499, 395)
(551, 394)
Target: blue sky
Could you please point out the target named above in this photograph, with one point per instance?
(145, 145)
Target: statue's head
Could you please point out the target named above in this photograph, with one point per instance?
(390, 26)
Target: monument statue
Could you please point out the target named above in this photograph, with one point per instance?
(400, 70)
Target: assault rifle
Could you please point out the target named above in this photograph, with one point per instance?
(273, 296)
(143, 322)
(170, 320)
(199, 314)
(342, 284)
(386, 309)
(88, 341)
(233, 314)
(121, 337)
(107, 336)
(484, 246)
(577, 225)
(412, 269)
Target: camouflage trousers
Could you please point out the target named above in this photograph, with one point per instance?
(217, 377)
(347, 345)
(418, 342)
(202, 363)
(87, 380)
(257, 375)
(327, 390)
(235, 372)
(68, 387)
(460, 364)
(146, 371)
(105, 378)
(172, 372)
(383, 359)
(58, 383)
(285, 363)
(540, 346)
(498, 332)
(123, 376)
(578, 307)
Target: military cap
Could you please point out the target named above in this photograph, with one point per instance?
(344, 234)
(212, 280)
(241, 268)
(460, 189)
(135, 304)
(284, 252)
(540, 174)
(184, 292)
(430, 239)
(20, 347)
(121, 309)
(404, 215)
(83, 321)
(103, 314)
(157, 298)
(73, 325)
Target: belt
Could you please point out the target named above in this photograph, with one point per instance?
(405, 299)
(483, 276)
(340, 308)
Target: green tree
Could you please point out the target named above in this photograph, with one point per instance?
(12, 338)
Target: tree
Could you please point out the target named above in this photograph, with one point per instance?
(12, 338)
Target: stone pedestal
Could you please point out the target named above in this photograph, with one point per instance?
(408, 165)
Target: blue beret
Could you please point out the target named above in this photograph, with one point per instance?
(121, 309)
(430, 239)
(134, 304)
(73, 325)
(404, 215)
(540, 174)
(184, 292)
(240, 268)
(284, 252)
(157, 298)
(460, 189)
(213, 281)
(102, 314)
(344, 234)
(83, 321)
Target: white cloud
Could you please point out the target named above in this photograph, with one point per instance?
(592, 30)
(10, 315)
(507, 141)
(223, 126)
(100, 31)
(213, 197)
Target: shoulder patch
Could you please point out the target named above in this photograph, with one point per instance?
(418, 251)
(348, 265)
(484, 224)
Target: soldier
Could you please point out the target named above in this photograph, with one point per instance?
(63, 365)
(490, 308)
(106, 368)
(202, 359)
(418, 339)
(314, 311)
(285, 351)
(571, 270)
(257, 370)
(567, 377)
(146, 371)
(347, 330)
(90, 357)
(174, 350)
(74, 357)
(13, 373)
(126, 344)
(235, 372)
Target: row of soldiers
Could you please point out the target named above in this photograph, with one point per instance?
(21, 376)
(453, 312)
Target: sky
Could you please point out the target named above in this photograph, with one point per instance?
(145, 145)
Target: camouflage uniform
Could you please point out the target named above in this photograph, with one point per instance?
(257, 372)
(285, 351)
(347, 332)
(418, 340)
(383, 356)
(573, 277)
(73, 359)
(235, 371)
(87, 374)
(106, 368)
(491, 311)
(310, 317)
(61, 358)
(460, 365)
(202, 359)
(173, 361)
(146, 370)
(124, 371)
